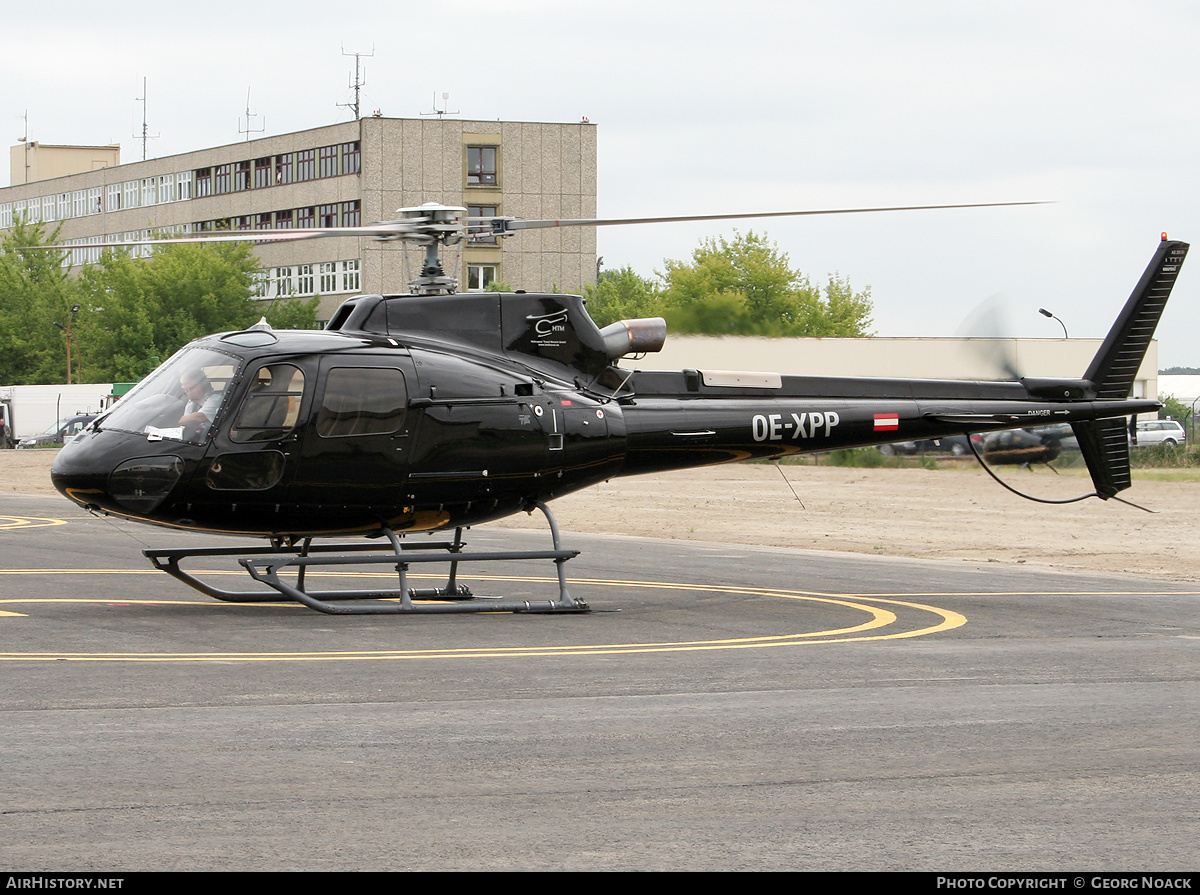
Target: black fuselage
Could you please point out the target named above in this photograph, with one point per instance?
(418, 413)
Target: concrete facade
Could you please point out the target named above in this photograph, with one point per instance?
(30, 161)
(357, 172)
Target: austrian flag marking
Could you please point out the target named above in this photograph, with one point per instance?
(887, 422)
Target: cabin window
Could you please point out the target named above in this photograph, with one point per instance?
(362, 401)
(271, 406)
(254, 471)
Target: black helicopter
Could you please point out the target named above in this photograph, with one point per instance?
(434, 410)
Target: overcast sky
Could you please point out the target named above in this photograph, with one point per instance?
(706, 107)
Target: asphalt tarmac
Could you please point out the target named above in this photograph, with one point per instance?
(724, 708)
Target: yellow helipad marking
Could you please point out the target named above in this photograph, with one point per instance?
(878, 618)
(9, 523)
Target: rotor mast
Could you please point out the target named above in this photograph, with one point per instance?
(433, 226)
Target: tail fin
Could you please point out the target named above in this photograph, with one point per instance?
(1115, 365)
(1104, 443)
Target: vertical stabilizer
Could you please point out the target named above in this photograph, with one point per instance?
(1116, 364)
(1105, 443)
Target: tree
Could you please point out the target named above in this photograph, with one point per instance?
(35, 293)
(293, 313)
(139, 311)
(1174, 409)
(746, 286)
(621, 295)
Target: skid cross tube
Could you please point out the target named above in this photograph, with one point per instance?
(265, 565)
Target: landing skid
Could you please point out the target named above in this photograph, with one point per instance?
(266, 564)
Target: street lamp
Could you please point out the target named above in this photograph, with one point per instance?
(1046, 313)
(67, 329)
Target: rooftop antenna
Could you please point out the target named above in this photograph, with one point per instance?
(251, 130)
(145, 135)
(359, 81)
(444, 111)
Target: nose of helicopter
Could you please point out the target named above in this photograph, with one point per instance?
(96, 471)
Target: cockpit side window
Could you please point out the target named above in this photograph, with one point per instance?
(362, 401)
(271, 406)
(178, 401)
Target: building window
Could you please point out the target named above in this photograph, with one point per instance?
(306, 164)
(262, 173)
(166, 188)
(283, 220)
(114, 197)
(480, 276)
(242, 222)
(350, 276)
(351, 213)
(262, 221)
(328, 271)
(283, 169)
(48, 205)
(305, 218)
(351, 158)
(304, 280)
(95, 200)
(183, 185)
(6, 216)
(241, 177)
(204, 183)
(78, 204)
(283, 281)
(482, 211)
(481, 165)
(329, 161)
(64, 202)
(222, 179)
(328, 216)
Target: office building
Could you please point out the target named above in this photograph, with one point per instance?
(341, 175)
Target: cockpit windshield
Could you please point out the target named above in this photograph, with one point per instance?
(178, 401)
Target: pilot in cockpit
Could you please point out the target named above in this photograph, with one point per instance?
(202, 401)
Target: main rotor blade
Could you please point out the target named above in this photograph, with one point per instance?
(384, 230)
(602, 222)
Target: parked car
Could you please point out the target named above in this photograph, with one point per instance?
(898, 447)
(59, 432)
(1160, 432)
(955, 445)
